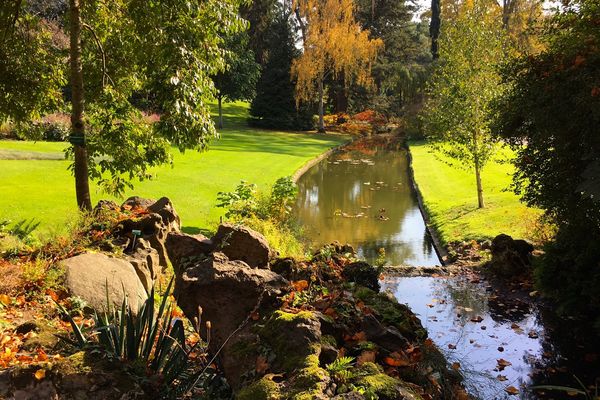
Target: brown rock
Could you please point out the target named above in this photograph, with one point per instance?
(241, 243)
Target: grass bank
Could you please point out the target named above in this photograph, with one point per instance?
(33, 187)
(450, 198)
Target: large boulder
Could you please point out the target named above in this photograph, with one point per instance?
(91, 276)
(227, 290)
(362, 273)
(181, 246)
(241, 243)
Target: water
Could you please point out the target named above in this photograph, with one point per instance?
(363, 196)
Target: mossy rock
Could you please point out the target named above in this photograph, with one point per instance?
(263, 389)
(372, 378)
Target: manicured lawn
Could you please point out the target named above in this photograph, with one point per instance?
(44, 189)
(450, 198)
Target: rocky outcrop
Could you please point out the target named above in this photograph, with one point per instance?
(227, 290)
(181, 246)
(241, 243)
(146, 262)
(91, 276)
(510, 257)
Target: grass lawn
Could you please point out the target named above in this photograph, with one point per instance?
(44, 189)
(450, 198)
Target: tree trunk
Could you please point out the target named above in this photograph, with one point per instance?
(480, 202)
(321, 127)
(82, 188)
(220, 123)
(434, 27)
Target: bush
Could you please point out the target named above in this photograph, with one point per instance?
(51, 128)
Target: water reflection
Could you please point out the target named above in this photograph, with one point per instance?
(365, 200)
(457, 315)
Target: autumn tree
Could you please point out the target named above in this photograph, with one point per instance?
(333, 44)
(169, 48)
(457, 115)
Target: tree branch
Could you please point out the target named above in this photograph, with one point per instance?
(102, 53)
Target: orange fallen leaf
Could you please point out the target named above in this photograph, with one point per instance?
(261, 364)
(513, 391)
(255, 316)
(456, 366)
(502, 378)
(360, 336)
(451, 346)
(502, 363)
(428, 342)
(476, 319)
(300, 285)
(4, 299)
(40, 374)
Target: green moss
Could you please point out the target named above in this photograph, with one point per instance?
(329, 340)
(263, 389)
(282, 316)
(382, 384)
(307, 384)
(244, 348)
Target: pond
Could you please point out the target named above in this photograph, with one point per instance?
(496, 338)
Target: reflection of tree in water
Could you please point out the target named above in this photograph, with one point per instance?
(364, 204)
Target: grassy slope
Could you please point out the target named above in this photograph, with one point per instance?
(450, 198)
(44, 189)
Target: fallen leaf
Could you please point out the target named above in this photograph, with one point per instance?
(502, 378)
(300, 285)
(261, 365)
(366, 356)
(40, 374)
(255, 316)
(360, 336)
(513, 391)
(477, 319)
(502, 363)
(456, 366)
(4, 299)
(451, 346)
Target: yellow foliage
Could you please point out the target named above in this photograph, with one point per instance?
(334, 43)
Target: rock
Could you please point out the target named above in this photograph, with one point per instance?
(180, 245)
(349, 396)
(387, 337)
(328, 354)
(242, 243)
(363, 274)
(89, 275)
(26, 327)
(509, 257)
(284, 267)
(226, 290)
(146, 262)
(154, 226)
(105, 205)
(165, 209)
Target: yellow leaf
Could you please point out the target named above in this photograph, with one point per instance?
(512, 390)
(4, 299)
(40, 374)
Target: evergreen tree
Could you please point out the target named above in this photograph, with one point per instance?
(274, 106)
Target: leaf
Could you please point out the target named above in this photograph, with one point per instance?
(396, 360)
(502, 378)
(456, 366)
(366, 356)
(451, 346)
(4, 299)
(300, 285)
(360, 336)
(261, 365)
(513, 391)
(40, 374)
(502, 363)
(477, 319)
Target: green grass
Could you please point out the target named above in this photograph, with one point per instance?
(44, 189)
(450, 198)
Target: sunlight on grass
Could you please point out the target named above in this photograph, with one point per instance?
(44, 189)
(450, 197)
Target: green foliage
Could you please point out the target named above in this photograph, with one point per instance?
(274, 106)
(22, 229)
(283, 195)
(167, 50)
(152, 339)
(457, 115)
(239, 80)
(341, 368)
(550, 115)
(241, 203)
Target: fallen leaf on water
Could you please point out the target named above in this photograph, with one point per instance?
(477, 319)
(451, 346)
(467, 309)
(512, 390)
(40, 374)
(502, 378)
(500, 349)
(456, 366)
(502, 363)
(533, 335)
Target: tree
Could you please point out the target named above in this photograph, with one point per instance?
(550, 114)
(169, 48)
(239, 80)
(274, 106)
(434, 27)
(260, 15)
(333, 43)
(463, 85)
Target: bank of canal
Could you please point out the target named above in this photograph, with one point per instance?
(362, 195)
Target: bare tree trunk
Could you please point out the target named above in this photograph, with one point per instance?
(82, 188)
(321, 127)
(220, 124)
(434, 27)
(480, 202)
